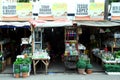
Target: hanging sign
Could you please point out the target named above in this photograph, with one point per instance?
(96, 10)
(24, 12)
(8, 9)
(115, 11)
(45, 10)
(82, 10)
(59, 9)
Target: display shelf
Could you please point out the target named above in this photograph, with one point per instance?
(71, 50)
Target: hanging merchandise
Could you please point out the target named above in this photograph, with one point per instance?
(107, 30)
(101, 31)
(79, 31)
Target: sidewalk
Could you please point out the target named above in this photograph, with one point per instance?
(63, 76)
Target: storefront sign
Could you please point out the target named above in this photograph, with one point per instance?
(96, 10)
(59, 9)
(54, 9)
(82, 10)
(115, 10)
(24, 12)
(45, 9)
(8, 9)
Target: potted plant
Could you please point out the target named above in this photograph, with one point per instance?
(81, 65)
(16, 69)
(16, 73)
(25, 70)
(89, 68)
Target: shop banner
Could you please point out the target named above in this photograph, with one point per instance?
(115, 11)
(82, 10)
(45, 10)
(96, 11)
(9, 9)
(24, 10)
(59, 9)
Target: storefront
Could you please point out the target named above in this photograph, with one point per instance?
(11, 34)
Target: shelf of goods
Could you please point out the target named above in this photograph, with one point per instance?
(110, 61)
(71, 50)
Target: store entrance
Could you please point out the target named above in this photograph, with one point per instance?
(54, 37)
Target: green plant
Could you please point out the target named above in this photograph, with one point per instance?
(16, 71)
(112, 67)
(89, 66)
(81, 64)
(25, 68)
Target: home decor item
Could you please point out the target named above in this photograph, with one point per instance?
(81, 65)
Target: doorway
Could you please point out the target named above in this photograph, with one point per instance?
(55, 37)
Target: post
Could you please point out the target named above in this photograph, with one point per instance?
(106, 10)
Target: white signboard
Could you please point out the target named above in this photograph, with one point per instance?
(82, 10)
(8, 9)
(45, 9)
(115, 9)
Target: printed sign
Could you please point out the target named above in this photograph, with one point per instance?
(59, 9)
(96, 10)
(82, 10)
(24, 12)
(45, 9)
(115, 9)
(8, 9)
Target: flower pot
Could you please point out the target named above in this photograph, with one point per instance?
(17, 75)
(89, 71)
(81, 71)
(24, 74)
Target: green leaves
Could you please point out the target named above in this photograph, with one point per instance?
(89, 66)
(25, 68)
(112, 67)
(81, 64)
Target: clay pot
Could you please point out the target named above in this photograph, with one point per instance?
(89, 71)
(25, 74)
(17, 75)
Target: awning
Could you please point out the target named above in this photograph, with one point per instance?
(98, 23)
(14, 24)
(55, 23)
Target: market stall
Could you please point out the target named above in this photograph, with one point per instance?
(39, 52)
(8, 32)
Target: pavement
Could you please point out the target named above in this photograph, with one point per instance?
(63, 76)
